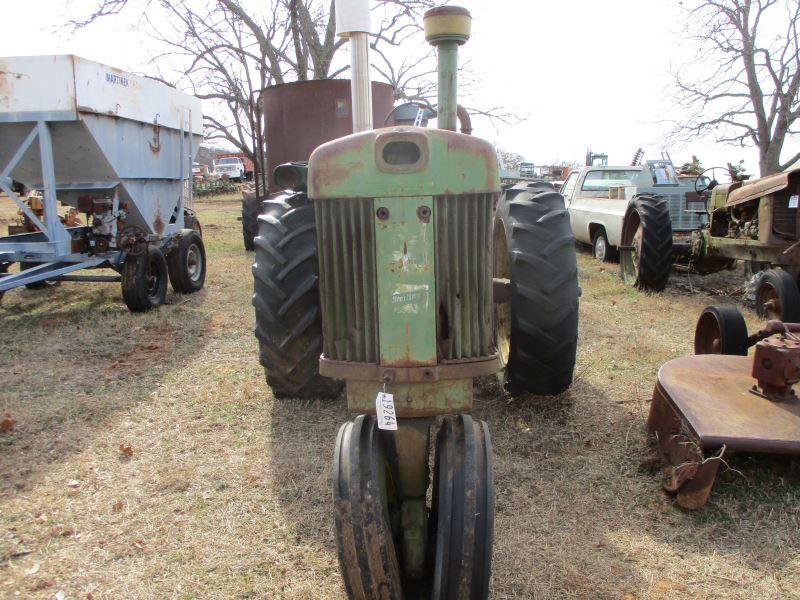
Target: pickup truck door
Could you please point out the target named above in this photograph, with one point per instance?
(568, 191)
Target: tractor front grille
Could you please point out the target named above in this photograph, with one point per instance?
(464, 275)
(348, 289)
(680, 218)
(784, 219)
(346, 246)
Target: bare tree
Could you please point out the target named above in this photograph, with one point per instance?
(510, 160)
(743, 86)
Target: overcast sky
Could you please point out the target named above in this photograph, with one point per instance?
(583, 74)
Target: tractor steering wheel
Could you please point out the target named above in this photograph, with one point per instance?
(705, 183)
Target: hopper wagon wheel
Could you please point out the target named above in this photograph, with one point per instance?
(646, 256)
(251, 206)
(777, 296)
(536, 324)
(363, 489)
(3, 270)
(186, 263)
(38, 285)
(286, 299)
(721, 330)
(461, 521)
(144, 280)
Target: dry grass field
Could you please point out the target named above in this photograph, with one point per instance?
(148, 458)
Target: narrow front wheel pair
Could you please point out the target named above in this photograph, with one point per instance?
(460, 517)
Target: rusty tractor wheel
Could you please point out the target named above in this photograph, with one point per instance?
(363, 490)
(646, 253)
(144, 280)
(461, 521)
(251, 207)
(720, 330)
(777, 296)
(286, 299)
(186, 263)
(536, 325)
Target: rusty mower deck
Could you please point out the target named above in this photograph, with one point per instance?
(722, 400)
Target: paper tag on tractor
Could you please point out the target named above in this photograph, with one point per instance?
(384, 409)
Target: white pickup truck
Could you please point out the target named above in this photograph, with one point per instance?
(230, 166)
(636, 209)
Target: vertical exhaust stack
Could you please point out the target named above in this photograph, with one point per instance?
(447, 28)
(353, 22)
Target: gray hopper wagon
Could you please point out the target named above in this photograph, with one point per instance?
(113, 149)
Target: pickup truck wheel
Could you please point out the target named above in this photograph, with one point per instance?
(286, 299)
(601, 249)
(251, 206)
(777, 296)
(646, 253)
(535, 249)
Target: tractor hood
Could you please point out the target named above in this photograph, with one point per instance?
(763, 186)
(403, 161)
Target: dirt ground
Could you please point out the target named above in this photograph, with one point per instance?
(148, 459)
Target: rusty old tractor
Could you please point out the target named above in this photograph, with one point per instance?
(396, 264)
(721, 401)
(755, 222)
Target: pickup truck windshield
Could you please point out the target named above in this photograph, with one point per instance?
(229, 161)
(600, 181)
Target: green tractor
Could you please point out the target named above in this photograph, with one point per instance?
(396, 264)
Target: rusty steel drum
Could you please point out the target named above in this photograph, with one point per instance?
(302, 115)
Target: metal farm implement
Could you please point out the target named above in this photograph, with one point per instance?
(116, 150)
(720, 400)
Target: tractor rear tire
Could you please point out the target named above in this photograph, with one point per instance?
(286, 299)
(144, 280)
(777, 296)
(646, 257)
(251, 207)
(543, 272)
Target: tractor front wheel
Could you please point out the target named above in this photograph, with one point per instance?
(646, 253)
(286, 298)
(777, 296)
(537, 326)
(362, 493)
(462, 510)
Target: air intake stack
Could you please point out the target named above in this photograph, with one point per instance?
(447, 28)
